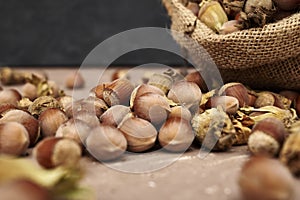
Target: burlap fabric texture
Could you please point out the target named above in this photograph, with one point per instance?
(262, 58)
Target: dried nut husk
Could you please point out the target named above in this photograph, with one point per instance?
(74, 80)
(290, 153)
(185, 93)
(29, 90)
(14, 138)
(297, 106)
(143, 89)
(181, 112)
(288, 117)
(24, 103)
(212, 14)
(263, 178)
(114, 115)
(106, 143)
(233, 7)
(30, 123)
(65, 101)
(74, 129)
(161, 81)
(48, 88)
(117, 92)
(214, 129)
(97, 91)
(242, 132)
(237, 90)
(24, 189)
(289, 94)
(230, 26)
(11, 96)
(272, 99)
(43, 103)
(267, 137)
(196, 77)
(52, 152)
(205, 97)
(257, 13)
(228, 103)
(9, 76)
(152, 107)
(176, 134)
(252, 5)
(50, 120)
(264, 99)
(194, 7)
(140, 134)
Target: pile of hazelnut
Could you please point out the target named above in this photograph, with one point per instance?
(169, 110)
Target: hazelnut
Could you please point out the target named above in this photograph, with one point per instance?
(185, 93)
(11, 96)
(263, 178)
(267, 137)
(50, 120)
(139, 133)
(4, 107)
(120, 73)
(106, 143)
(161, 81)
(97, 91)
(152, 107)
(117, 92)
(237, 90)
(272, 99)
(181, 112)
(228, 103)
(74, 80)
(198, 79)
(290, 153)
(29, 90)
(114, 115)
(53, 152)
(28, 121)
(252, 96)
(143, 89)
(14, 138)
(176, 134)
(75, 129)
(24, 189)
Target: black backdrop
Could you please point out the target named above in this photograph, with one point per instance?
(63, 32)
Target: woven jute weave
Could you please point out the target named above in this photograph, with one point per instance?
(262, 58)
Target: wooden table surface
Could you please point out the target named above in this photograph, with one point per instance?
(188, 177)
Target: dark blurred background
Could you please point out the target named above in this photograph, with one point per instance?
(63, 32)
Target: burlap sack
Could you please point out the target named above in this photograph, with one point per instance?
(262, 58)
